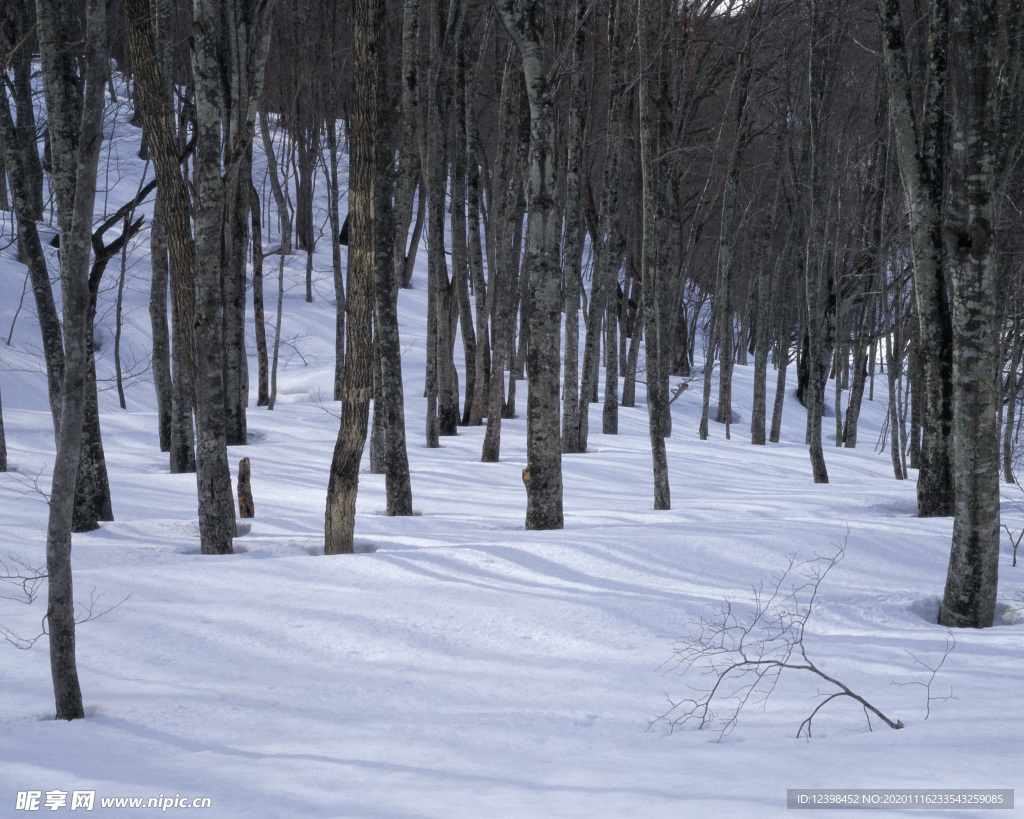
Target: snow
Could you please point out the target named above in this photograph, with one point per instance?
(460, 666)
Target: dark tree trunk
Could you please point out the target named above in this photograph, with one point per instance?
(543, 475)
(32, 254)
(158, 323)
(147, 27)
(337, 228)
(234, 252)
(482, 290)
(816, 271)
(505, 219)
(92, 487)
(985, 136)
(601, 310)
(574, 231)
(75, 115)
(258, 313)
(408, 155)
(919, 143)
(652, 275)
(388, 341)
(459, 227)
(364, 209)
(3, 442)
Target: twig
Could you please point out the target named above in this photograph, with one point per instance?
(929, 699)
(745, 655)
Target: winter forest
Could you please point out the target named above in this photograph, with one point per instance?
(561, 323)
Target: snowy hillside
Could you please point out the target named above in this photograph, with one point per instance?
(460, 666)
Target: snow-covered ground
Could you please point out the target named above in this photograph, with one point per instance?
(460, 666)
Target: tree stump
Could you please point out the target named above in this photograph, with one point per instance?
(246, 509)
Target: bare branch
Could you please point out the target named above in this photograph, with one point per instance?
(929, 699)
(745, 654)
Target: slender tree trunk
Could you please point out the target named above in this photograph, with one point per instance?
(333, 194)
(183, 442)
(574, 231)
(392, 396)
(408, 155)
(442, 390)
(147, 26)
(482, 290)
(259, 316)
(543, 476)
(781, 365)
(767, 284)
(869, 298)
(727, 235)
(284, 210)
(653, 216)
(460, 236)
(158, 323)
(75, 116)
(1012, 383)
(364, 209)
(505, 219)
(234, 253)
(919, 143)
(31, 252)
(815, 273)
(892, 364)
(602, 290)
(92, 487)
(3, 441)
(221, 221)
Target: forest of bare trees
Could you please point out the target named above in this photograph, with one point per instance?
(824, 189)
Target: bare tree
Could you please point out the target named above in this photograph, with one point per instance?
(987, 88)
(364, 241)
(74, 104)
(920, 147)
(543, 475)
(224, 130)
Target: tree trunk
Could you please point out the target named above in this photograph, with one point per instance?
(258, 313)
(869, 300)
(781, 364)
(364, 208)
(3, 441)
(816, 277)
(442, 391)
(459, 228)
(31, 252)
(574, 230)
(333, 194)
(767, 285)
(158, 323)
(1012, 383)
(543, 476)
(892, 365)
(148, 30)
(981, 132)
(482, 290)
(408, 155)
(651, 276)
(397, 481)
(75, 115)
(505, 220)
(92, 487)
(919, 143)
(234, 253)
(602, 292)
